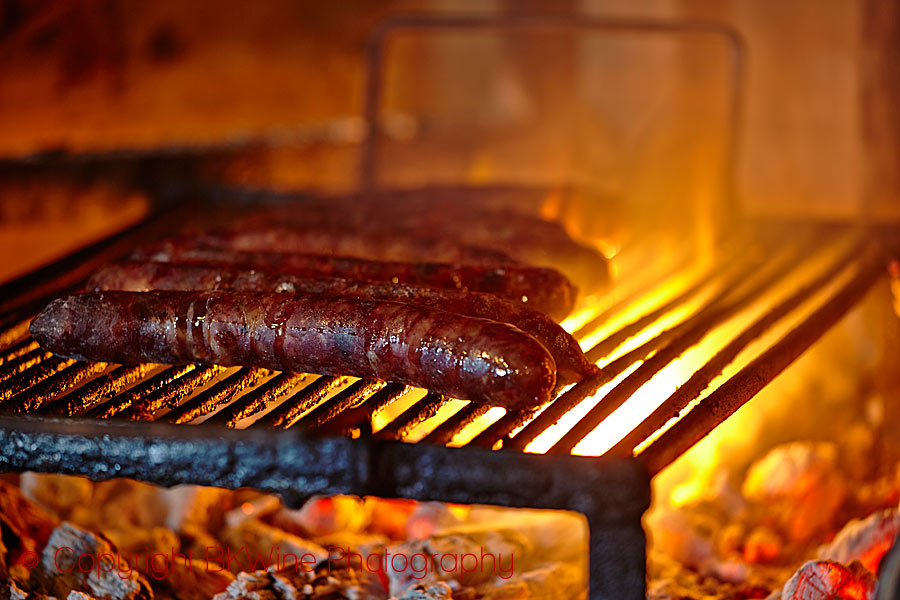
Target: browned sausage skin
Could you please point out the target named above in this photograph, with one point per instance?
(541, 289)
(570, 361)
(340, 240)
(464, 357)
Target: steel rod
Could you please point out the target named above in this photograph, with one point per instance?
(360, 416)
(32, 376)
(170, 395)
(689, 334)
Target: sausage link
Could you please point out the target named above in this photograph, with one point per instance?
(571, 363)
(464, 357)
(541, 289)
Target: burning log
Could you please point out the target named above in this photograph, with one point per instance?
(109, 577)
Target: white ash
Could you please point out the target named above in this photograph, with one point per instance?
(118, 583)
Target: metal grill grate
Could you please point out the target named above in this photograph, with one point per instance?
(635, 347)
(297, 434)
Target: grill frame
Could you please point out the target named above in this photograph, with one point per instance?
(612, 491)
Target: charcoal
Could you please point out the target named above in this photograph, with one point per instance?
(828, 580)
(265, 543)
(194, 581)
(558, 580)
(249, 586)
(57, 493)
(195, 507)
(22, 521)
(801, 486)
(134, 540)
(507, 547)
(114, 582)
(348, 584)
(10, 591)
(291, 585)
(866, 540)
(322, 516)
(258, 508)
(79, 596)
(435, 591)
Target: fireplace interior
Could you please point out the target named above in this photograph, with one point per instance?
(738, 439)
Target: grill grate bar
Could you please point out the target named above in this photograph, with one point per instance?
(22, 363)
(689, 334)
(344, 400)
(120, 402)
(283, 416)
(413, 416)
(106, 386)
(221, 393)
(171, 395)
(11, 333)
(704, 376)
(17, 350)
(32, 399)
(258, 399)
(735, 392)
(360, 417)
(445, 432)
(33, 375)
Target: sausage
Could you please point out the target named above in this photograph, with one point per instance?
(463, 357)
(339, 240)
(525, 238)
(571, 363)
(541, 289)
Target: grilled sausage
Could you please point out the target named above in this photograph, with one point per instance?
(338, 240)
(541, 289)
(571, 363)
(524, 238)
(464, 357)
